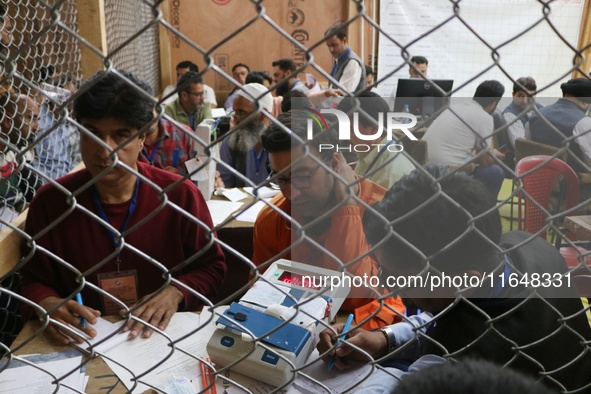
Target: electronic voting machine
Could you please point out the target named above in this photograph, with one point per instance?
(268, 304)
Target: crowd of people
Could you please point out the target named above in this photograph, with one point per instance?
(344, 216)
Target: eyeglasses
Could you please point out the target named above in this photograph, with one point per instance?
(240, 114)
(298, 182)
(197, 94)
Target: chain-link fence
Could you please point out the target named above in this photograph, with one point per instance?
(359, 216)
(124, 21)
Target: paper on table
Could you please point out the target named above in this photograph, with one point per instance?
(220, 210)
(337, 381)
(218, 112)
(263, 294)
(21, 378)
(230, 387)
(250, 215)
(207, 314)
(104, 329)
(140, 355)
(262, 192)
(233, 194)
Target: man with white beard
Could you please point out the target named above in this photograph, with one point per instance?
(242, 153)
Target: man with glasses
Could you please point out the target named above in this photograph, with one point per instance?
(242, 153)
(190, 107)
(322, 194)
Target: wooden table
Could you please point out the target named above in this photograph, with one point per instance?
(239, 236)
(580, 226)
(101, 378)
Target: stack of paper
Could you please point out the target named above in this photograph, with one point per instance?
(22, 378)
(250, 214)
(131, 359)
(221, 210)
(263, 192)
(142, 364)
(108, 336)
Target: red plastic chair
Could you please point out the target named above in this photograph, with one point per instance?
(539, 174)
(583, 284)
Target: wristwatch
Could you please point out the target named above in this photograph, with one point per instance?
(390, 338)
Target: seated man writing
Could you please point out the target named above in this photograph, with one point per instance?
(119, 233)
(538, 329)
(316, 219)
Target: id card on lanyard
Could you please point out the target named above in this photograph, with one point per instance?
(120, 284)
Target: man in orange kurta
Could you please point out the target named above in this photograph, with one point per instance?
(317, 217)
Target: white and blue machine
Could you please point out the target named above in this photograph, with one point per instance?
(246, 329)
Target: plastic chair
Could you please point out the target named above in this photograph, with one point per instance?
(539, 174)
(583, 285)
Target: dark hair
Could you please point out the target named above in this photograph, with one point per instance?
(285, 64)
(302, 100)
(276, 139)
(338, 30)
(187, 79)
(489, 92)
(469, 376)
(258, 76)
(527, 82)
(188, 64)
(368, 70)
(46, 73)
(368, 104)
(110, 96)
(240, 65)
(419, 60)
(438, 222)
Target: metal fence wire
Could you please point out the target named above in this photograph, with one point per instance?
(431, 223)
(141, 56)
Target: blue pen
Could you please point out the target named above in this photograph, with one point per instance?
(175, 157)
(215, 125)
(79, 300)
(345, 329)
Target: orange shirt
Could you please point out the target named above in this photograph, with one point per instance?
(344, 238)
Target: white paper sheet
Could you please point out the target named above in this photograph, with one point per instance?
(140, 355)
(233, 194)
(199, 166)
(263, 294)
(254, 386)
(337, 381)
(262, 192)
(220, 210)
(250, 215)
(20, 378)
(104, 329)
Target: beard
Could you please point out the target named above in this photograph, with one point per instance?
(246, 137)
(282, 88)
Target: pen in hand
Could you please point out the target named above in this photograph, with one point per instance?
(79, 300)
(345, 329)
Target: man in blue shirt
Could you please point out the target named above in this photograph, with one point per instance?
(52, 151)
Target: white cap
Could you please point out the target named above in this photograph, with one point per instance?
(253, 91)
